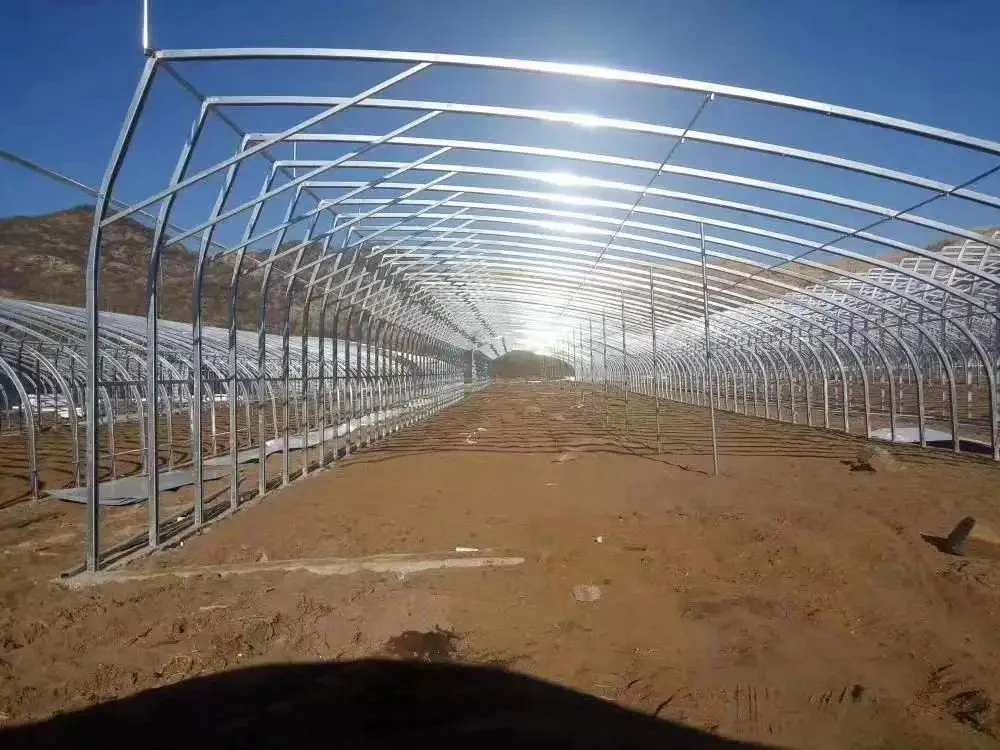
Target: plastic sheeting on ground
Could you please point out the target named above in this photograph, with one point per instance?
(134, 489)
(938, 438)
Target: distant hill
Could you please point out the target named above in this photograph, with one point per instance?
(43, 258)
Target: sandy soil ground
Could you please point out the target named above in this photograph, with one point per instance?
(790, 601)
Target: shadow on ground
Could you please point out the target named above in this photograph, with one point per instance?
(361, 704)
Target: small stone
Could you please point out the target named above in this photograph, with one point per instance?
(262, 557)
(585, 592)
(970, 707)
(865, 452)
(565, 458)
(878, 459)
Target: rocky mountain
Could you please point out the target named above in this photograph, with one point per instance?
(43, 258)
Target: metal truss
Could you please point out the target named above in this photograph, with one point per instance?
(759, 277)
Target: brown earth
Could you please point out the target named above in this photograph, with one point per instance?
(790, 601)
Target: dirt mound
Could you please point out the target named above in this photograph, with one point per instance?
(526, 365)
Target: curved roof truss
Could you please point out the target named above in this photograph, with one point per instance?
(486, 216)
(722, 242)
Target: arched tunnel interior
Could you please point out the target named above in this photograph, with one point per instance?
(309, 271)
(321, 262)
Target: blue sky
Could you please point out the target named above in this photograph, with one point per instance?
(68, 67)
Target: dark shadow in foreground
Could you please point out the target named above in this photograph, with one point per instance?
(362, 704)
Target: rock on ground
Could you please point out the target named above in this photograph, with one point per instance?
(584, 592)
(878, 459)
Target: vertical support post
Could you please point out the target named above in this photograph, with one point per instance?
(573, 339)
(381, 363)
(197, 399)
(145, 27)
(336, 402)
(357, 404)
(152, 425)
(656, 390)
(708, 346)
(590, 373)
(286, 387)
(346, 399)
(624, 368)
(92, 543)
(604, 368)
(359, 381)
(38, 393)
(321, 410)
(590, 349)
(368, 401)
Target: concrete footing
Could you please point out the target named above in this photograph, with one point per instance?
(336, 566)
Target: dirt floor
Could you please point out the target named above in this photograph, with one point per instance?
(790, 601)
